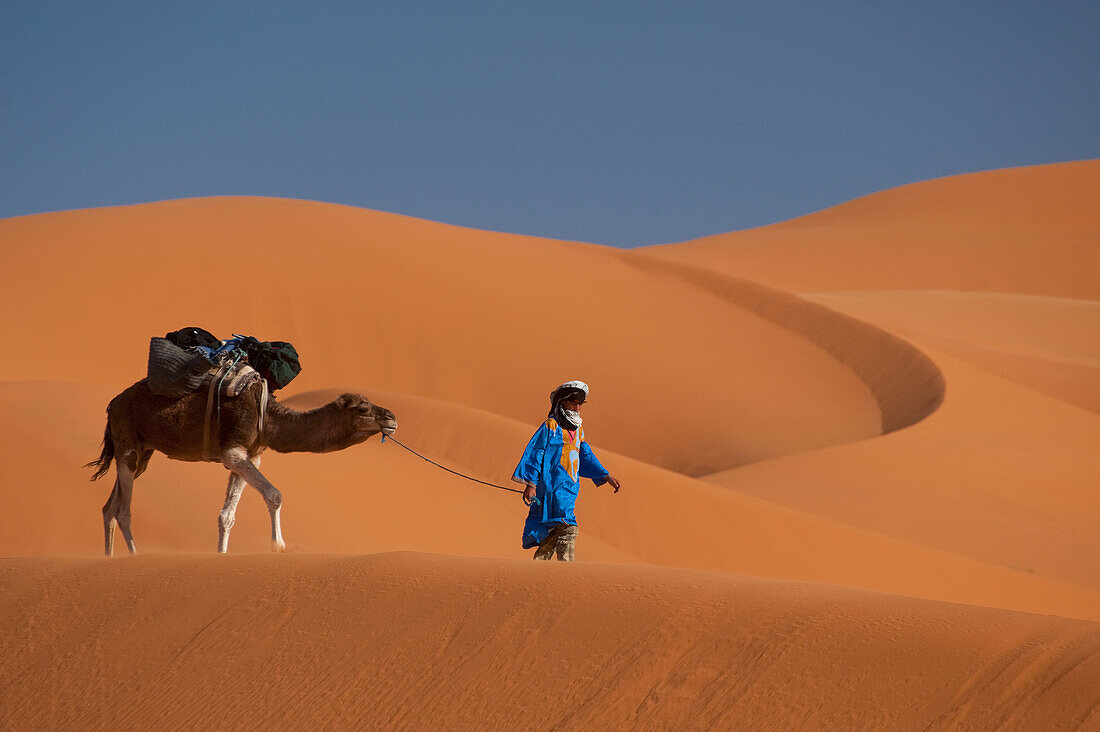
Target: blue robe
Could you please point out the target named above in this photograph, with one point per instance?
(554, 463)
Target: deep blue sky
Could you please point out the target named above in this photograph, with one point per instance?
(614, 122)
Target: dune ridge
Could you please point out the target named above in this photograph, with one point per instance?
(905, 383)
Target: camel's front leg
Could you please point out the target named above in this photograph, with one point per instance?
(228, 514)
(236, 459)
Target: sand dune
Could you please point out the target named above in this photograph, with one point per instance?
(406, 640)
(1029, 231)
(896, 395)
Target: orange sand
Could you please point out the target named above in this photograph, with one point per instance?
(898, 395)
(412, 640)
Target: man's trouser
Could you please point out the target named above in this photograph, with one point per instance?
(560, 541)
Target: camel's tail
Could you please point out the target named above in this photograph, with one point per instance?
(103, 464)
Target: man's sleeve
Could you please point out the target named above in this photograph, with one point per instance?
(530, 465)
(590, 466)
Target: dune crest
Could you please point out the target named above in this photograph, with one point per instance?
(1030, 230)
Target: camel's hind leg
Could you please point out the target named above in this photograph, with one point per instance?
(126, 466)
(110, 511)
(236, 459)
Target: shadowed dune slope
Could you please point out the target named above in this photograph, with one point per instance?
(1031, 230)
(406, 640)
(1048, 344)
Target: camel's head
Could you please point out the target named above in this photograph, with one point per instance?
(364, 418)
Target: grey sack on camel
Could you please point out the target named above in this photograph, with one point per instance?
(174, 371)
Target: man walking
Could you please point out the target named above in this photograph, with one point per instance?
(555, 460)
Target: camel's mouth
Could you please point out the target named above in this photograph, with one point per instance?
(386, 429)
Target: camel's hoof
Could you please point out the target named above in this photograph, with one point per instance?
(278, 546)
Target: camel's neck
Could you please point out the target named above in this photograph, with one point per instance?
(317, 430)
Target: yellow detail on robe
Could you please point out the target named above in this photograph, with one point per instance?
(571, 452)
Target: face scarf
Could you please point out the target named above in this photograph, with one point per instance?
(568, 419)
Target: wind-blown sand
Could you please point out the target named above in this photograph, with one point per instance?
(858, 450)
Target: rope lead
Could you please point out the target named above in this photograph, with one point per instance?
(455, 472)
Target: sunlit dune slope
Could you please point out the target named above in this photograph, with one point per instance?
(492, 321)
(407, 640)
(999, 472)
(1032, 230)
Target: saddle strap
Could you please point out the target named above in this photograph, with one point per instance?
(210, 409)
(263, 405)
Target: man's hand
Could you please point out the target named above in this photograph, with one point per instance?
(614, 483)
(529, 494)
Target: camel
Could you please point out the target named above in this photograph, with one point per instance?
(140, 422)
